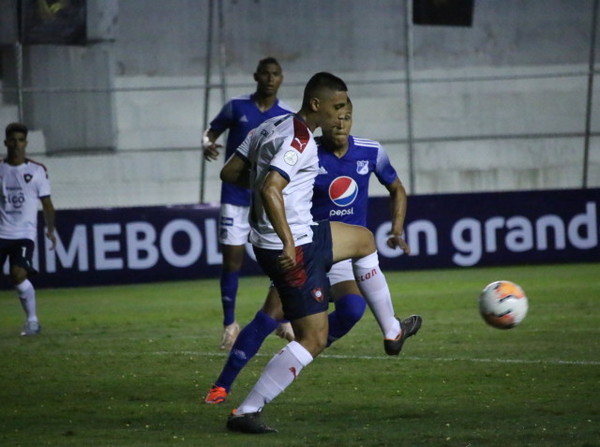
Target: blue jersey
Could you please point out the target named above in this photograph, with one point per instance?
(341, 189)
(240, 115)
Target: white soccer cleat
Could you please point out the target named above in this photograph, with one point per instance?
(230, 334)
(31, 328)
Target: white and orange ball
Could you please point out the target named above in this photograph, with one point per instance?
(503, 304)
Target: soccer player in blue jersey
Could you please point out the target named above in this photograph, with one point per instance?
(239, 115)
(340, 193)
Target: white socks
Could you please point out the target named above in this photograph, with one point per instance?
(26, 294)
(371, 282)
(279, 373)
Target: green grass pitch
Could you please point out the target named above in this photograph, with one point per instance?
(128, 366)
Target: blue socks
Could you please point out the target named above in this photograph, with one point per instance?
(229, 288)
(349, 309)
(245, 347)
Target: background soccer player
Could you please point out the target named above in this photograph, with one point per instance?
(22, 183)
(340, 193)
(239, 116)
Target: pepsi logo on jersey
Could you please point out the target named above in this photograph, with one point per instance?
(343, 191)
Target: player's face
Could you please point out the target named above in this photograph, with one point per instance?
(268, 78)
(337, 136)
(332, 109)
(16, 144)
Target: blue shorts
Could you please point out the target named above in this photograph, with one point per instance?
(304, 290)
(19, 252)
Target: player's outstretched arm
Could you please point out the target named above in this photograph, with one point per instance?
(398, 204)
(49, 213)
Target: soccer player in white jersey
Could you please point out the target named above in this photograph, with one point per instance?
(239, 115)
(278, 161)
(340, 193)
(22, 183)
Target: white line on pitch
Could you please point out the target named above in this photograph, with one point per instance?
(428, 359)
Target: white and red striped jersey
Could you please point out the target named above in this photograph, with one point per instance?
(284, 144)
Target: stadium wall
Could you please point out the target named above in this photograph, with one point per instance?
(500, 105)
(145, 244)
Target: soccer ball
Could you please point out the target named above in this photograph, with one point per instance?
(503, 304)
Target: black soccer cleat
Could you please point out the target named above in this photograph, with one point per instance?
(408, 327)
(248, 423)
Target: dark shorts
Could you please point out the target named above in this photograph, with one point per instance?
(304, 290)
(19, 252)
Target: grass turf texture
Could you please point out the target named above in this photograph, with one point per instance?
(128, 366)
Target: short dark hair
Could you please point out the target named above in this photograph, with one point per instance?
(267, 61)
(15, 127)
(322, 80)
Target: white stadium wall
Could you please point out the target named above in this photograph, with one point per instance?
(497, 106)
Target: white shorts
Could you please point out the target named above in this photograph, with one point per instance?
(234, 227)
(341, 271)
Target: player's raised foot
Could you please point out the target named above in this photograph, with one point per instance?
(216, 395)
(248, 423)
(31, 328)
(408, 327)
(285, 331)
(230, 333)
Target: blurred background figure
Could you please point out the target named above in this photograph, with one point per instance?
(22, 183)
(239, 115)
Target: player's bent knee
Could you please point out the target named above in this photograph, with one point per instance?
(365, 243)
(314, 346)
(232, 265)
(351, 241)
(233, 257)
(18, 275)
(273, 310)
(314, 342)
(355, 307)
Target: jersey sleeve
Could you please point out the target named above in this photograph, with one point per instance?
(287, 160)
(384, 171)
(243, 150)
(224, 119)
(297, 151)
(43, 183)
